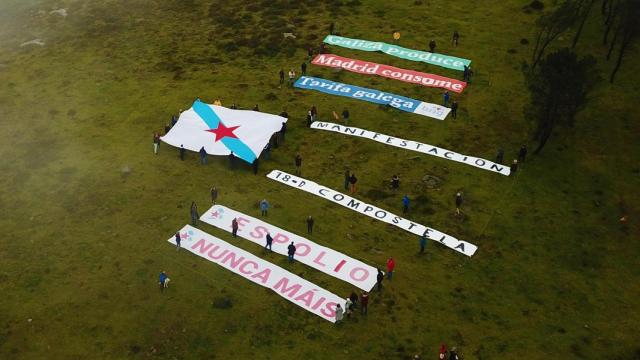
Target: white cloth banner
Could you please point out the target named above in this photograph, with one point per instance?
(222, 131)
(290, 286)
(413, 145)
(309, 253)
(372, 211)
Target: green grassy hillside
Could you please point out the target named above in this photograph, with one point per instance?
(87, 207)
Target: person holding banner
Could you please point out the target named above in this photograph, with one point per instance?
(234, 227)
(291, 250)
(379, 279)
(432, 45)
(423, 243)
(347, 178)
(178, 241)
(269, 242)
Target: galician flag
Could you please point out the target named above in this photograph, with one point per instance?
(222, 131)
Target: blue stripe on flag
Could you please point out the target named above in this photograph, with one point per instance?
(212, 120)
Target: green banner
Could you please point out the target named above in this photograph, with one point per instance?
(449, 62)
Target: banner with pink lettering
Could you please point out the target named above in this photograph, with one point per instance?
(309, 253)
(290, 286)
(391, 72)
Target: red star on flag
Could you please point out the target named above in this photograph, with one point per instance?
(222, 131)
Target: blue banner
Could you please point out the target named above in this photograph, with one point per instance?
(372, 95)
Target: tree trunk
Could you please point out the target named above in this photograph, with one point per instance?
(589, 5)
(625, 42)
(603, 8)
(613, 42)
(542, 142)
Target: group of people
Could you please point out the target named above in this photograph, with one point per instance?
(522, 154)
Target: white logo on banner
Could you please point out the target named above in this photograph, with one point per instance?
(309, 253)
(372, 211)
(291, 287)
(413, 145)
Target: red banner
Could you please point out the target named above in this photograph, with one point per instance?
(410, 76)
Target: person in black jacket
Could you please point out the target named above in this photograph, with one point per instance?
(379, 278)
(291, 250)
(310, 225)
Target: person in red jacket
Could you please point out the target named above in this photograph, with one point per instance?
(391, 264)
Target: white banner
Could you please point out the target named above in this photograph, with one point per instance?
(373, 211)
(291, 287)
(413, 145)
(309, 253)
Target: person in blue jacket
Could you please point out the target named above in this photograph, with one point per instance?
(405, 204)
(163, 279)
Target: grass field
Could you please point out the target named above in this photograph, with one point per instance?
(87, 207)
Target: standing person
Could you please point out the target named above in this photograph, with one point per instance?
(255, 166)
(453, 354)
(178, 240)
(163, 280)
(310, 225)
(156, 142)
(298, 162)
(234, 227)
(174, 119)
(310, 52)
(292, 75)
(167, 128)
(443, 352)
(348, 307)
(522, 154)
(395, 182)
(354, 299)
(454, 109)
(465, 73)
(194, 214)
(379, 279)
(203, 156)
(214, 195)
(345, 115)
(283, 129)
(303, 68)
(309, 118)
(291, 250)
(469, 75)
(353, 180)
(232, 161)
(500, 156)
(455, 38)
(234, 106)
(264, 207)
(347, 178)
(284, 114)
(405, 204)
(423, 243)
(281, 77)
(217, 102)
(314, 113)
(514, 166)
(267, 151)
(458, 202)
(391, 264)
(256, 108)
(332, 27)
(269, 242)
(339, 313)
(432, 45)
(182, 150)
(445, 96)
(364, 302)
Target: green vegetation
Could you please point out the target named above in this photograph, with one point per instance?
(87, 207)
